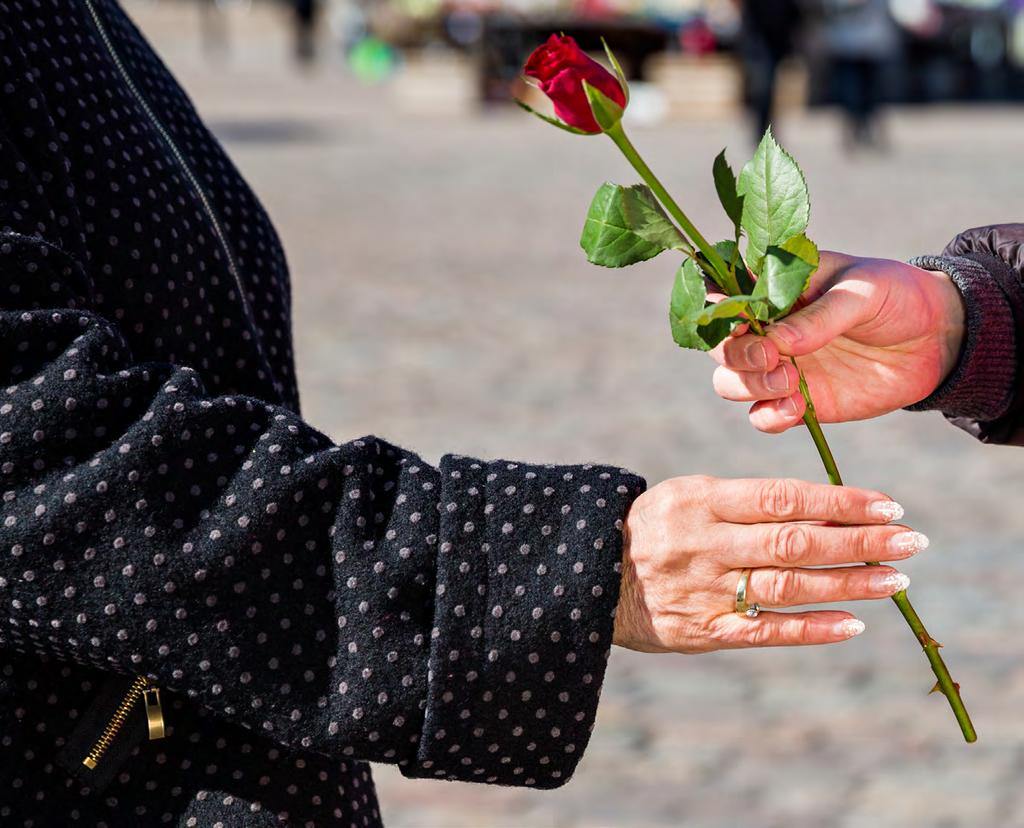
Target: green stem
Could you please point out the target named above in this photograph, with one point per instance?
(721, 275)
(817, 435)
(945, 684)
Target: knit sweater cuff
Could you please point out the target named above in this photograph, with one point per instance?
(981, 385)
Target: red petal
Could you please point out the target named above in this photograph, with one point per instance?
(561, 67)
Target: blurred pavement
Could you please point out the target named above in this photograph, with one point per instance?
(441, 301)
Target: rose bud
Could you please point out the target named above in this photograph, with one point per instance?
(587, 97)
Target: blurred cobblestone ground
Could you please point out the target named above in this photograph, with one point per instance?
(441, 301)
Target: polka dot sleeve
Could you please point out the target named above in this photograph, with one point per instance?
(527, 582)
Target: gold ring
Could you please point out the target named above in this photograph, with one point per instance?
(742, 607)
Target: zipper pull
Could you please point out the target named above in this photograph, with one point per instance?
(140, 689)
(154, 713)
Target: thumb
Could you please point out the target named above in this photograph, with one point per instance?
(831, 315)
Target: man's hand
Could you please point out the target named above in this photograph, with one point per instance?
(871, 335)
(688, 540)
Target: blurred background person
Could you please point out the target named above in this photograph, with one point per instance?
(860, 38)
(305, 14)
(212, 27)
(767, 38)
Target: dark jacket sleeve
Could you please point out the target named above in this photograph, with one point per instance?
(349, 599)
(983, 393)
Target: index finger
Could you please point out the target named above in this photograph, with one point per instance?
(776, 500)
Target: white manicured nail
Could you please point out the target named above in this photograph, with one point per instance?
(890, 583)
(909, 543)
(888, 509)
(850, 627)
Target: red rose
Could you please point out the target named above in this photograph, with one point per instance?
(561, 67)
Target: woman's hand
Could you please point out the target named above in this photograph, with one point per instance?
(687, 541)
(872, 336)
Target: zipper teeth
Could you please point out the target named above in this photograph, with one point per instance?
(189, 174)
(116, 722)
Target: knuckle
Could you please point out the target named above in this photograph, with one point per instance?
(663, 630)
(758, 634)
(720, 633)
(838, 503)
(703, 483)
(784, 588)
(789, 544)
(672, 633)
(800, 631)
(695, 482)
(778, 498)
(662, 501)
(692, 490)
(863, 544)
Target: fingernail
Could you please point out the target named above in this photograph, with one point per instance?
(787, 333)
(890, 583)
(777, 380)
(850, 627)
(909, 543)
(787, 407)
(757, 356)
(888, 509)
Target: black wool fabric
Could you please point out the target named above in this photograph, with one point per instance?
(304, 606)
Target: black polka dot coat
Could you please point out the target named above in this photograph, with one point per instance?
(168, 521)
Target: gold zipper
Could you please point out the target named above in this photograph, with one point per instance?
(141, 689)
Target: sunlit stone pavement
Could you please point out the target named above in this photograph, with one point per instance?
(441, 301)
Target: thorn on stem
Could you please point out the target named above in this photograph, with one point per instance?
(938, 688)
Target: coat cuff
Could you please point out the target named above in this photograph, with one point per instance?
(528, 575)
(981, 385)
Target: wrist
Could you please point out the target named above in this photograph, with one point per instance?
(980, 385)
(621, 632)
(950, 323)
(633, 628)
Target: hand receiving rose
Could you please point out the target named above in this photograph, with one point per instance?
(874, 335)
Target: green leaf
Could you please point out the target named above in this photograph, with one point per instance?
(804, 248)
(626, 225)
(697, 324)
(718, 330)
(776, 206)
(730, 251)
(607, 113)
(725, 184)
(553, 121)
(688, 295)
(783, 278)
(732, 307)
